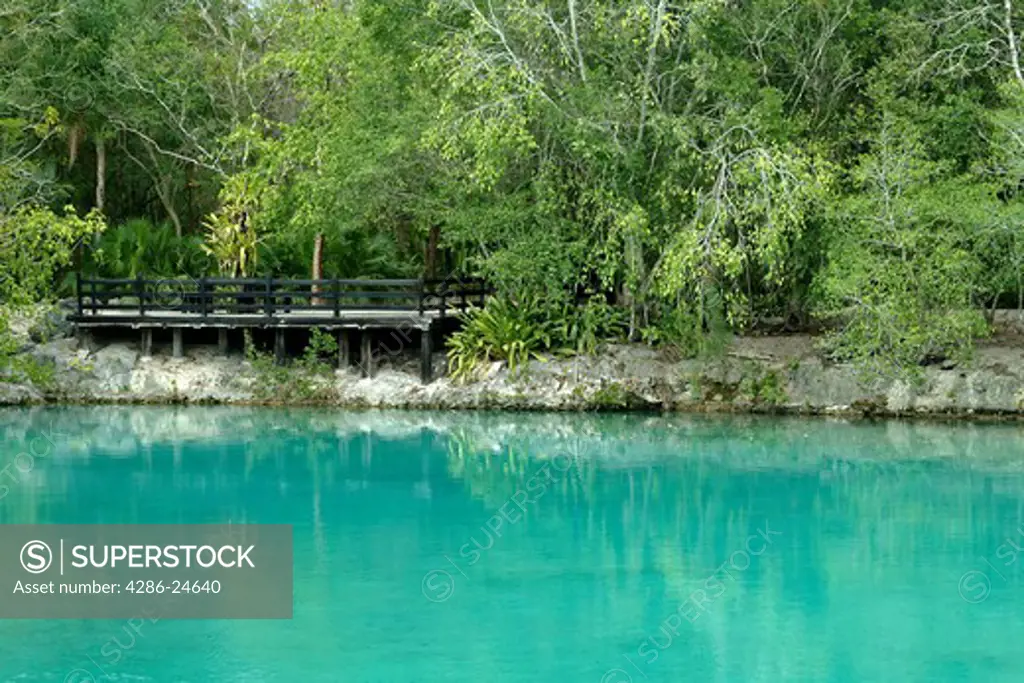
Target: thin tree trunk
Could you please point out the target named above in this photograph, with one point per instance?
(1011, 39)
(190, 215)
(576, 41)
(402, 234)
(101, 173)
(318, 266)
(75, 133)
(432, 242)
(163, 191)
(652, 53)
(160, 183)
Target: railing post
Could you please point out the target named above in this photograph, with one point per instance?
(78, 289)
(178, 342)
(423, 296)
(139, 286)
(269, 302)
(366, 352)
(336, 288)
(92, 295)
(244, 299)
(426, 356)
(343, 349)
(280, 352)
(202, 296)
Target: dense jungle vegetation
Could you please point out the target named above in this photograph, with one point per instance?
(655, 170)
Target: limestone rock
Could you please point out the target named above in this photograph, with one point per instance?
(52, 324)
(784, 374)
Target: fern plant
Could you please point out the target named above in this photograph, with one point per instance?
(140, 247)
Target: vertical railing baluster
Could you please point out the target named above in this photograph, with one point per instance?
(269, 302)
(138, 292)
(78, 289)
(202, 297)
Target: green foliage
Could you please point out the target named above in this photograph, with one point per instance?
(231, 239)
(745, 227)
(35, 244)
(305, 381)
(321, 345)
(767, 389)
(713, 167)
(614, 396)
(903, 271)
(689, 333)
(503, 330)
(581, 328)
(8, 344)
(528, 327)
(344, 162)
(18, 367)
(140, 248)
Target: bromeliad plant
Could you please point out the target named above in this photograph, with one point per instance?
(517, 330)
(231, 237)
(503, 330)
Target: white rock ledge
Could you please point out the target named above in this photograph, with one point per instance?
(763, 374)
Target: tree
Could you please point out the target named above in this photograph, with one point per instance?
(902, 274)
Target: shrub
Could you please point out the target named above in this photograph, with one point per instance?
(140, 247)
(688, 333)
(35, 245)
(16, 367)
(512, 331)
(579, 329)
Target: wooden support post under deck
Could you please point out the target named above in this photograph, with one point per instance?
(279, 350)
(426, 357)
(147, 342)
(365, 355)
(344, 337)
(222, 341)
(177, 343)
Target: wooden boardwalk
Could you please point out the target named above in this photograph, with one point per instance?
(349, 319)
(337, 305)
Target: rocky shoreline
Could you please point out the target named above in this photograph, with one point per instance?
(783, 374)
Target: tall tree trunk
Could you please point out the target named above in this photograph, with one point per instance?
(318, 266)
(75, 133)
(1011, 40)
(190, 215)
(163, 191)
(431, 259)
(162, 184)
(402, 234)
(652, 52)
(101, 173)
(576, 41)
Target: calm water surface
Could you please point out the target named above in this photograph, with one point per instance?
(494, 548)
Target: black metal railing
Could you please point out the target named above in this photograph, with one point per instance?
(271, 296)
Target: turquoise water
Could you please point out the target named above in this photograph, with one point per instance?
(467, 547)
